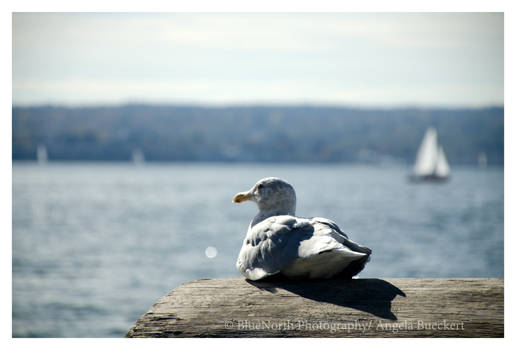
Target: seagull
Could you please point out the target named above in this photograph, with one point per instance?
(278, 242)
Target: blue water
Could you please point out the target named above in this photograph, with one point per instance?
(95, 245)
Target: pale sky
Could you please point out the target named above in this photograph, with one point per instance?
(416, 59)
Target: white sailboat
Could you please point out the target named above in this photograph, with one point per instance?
(138, 156)
(431, 163)
(41, 154)
(482, 160)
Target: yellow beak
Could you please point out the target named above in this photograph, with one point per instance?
(242, 197)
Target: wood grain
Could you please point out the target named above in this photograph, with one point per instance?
(397, 307)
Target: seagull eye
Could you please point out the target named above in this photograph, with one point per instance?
(260, 186)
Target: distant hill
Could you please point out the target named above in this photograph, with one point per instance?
(254, 133)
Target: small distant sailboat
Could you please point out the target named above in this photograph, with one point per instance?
(42, 154)
(482, 160)
(138, 156)
(431, 163)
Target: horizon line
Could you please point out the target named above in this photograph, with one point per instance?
(222, 105)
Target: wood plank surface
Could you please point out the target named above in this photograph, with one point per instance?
(392, 307)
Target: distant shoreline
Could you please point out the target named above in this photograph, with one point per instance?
(293, 134)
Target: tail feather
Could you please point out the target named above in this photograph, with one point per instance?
(354, 267)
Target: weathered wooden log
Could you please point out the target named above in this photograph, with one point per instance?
(394, 307)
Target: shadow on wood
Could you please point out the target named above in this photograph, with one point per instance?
(390, 307)
(369, 295)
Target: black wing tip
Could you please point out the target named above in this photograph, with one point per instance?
(354, 268)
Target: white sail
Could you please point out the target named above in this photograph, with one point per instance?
(482, 160)
(427, 154)
(138, 156)
(442, 169)
(42, 154)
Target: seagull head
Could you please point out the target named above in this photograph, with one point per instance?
(271, 194)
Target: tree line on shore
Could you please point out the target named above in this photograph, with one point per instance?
(254, 133)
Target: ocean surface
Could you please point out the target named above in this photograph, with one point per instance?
(96, 244)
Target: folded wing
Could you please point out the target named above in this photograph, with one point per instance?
(301, 248)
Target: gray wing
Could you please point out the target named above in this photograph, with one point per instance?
(340, 236)
(271, 245)
(356, 265)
